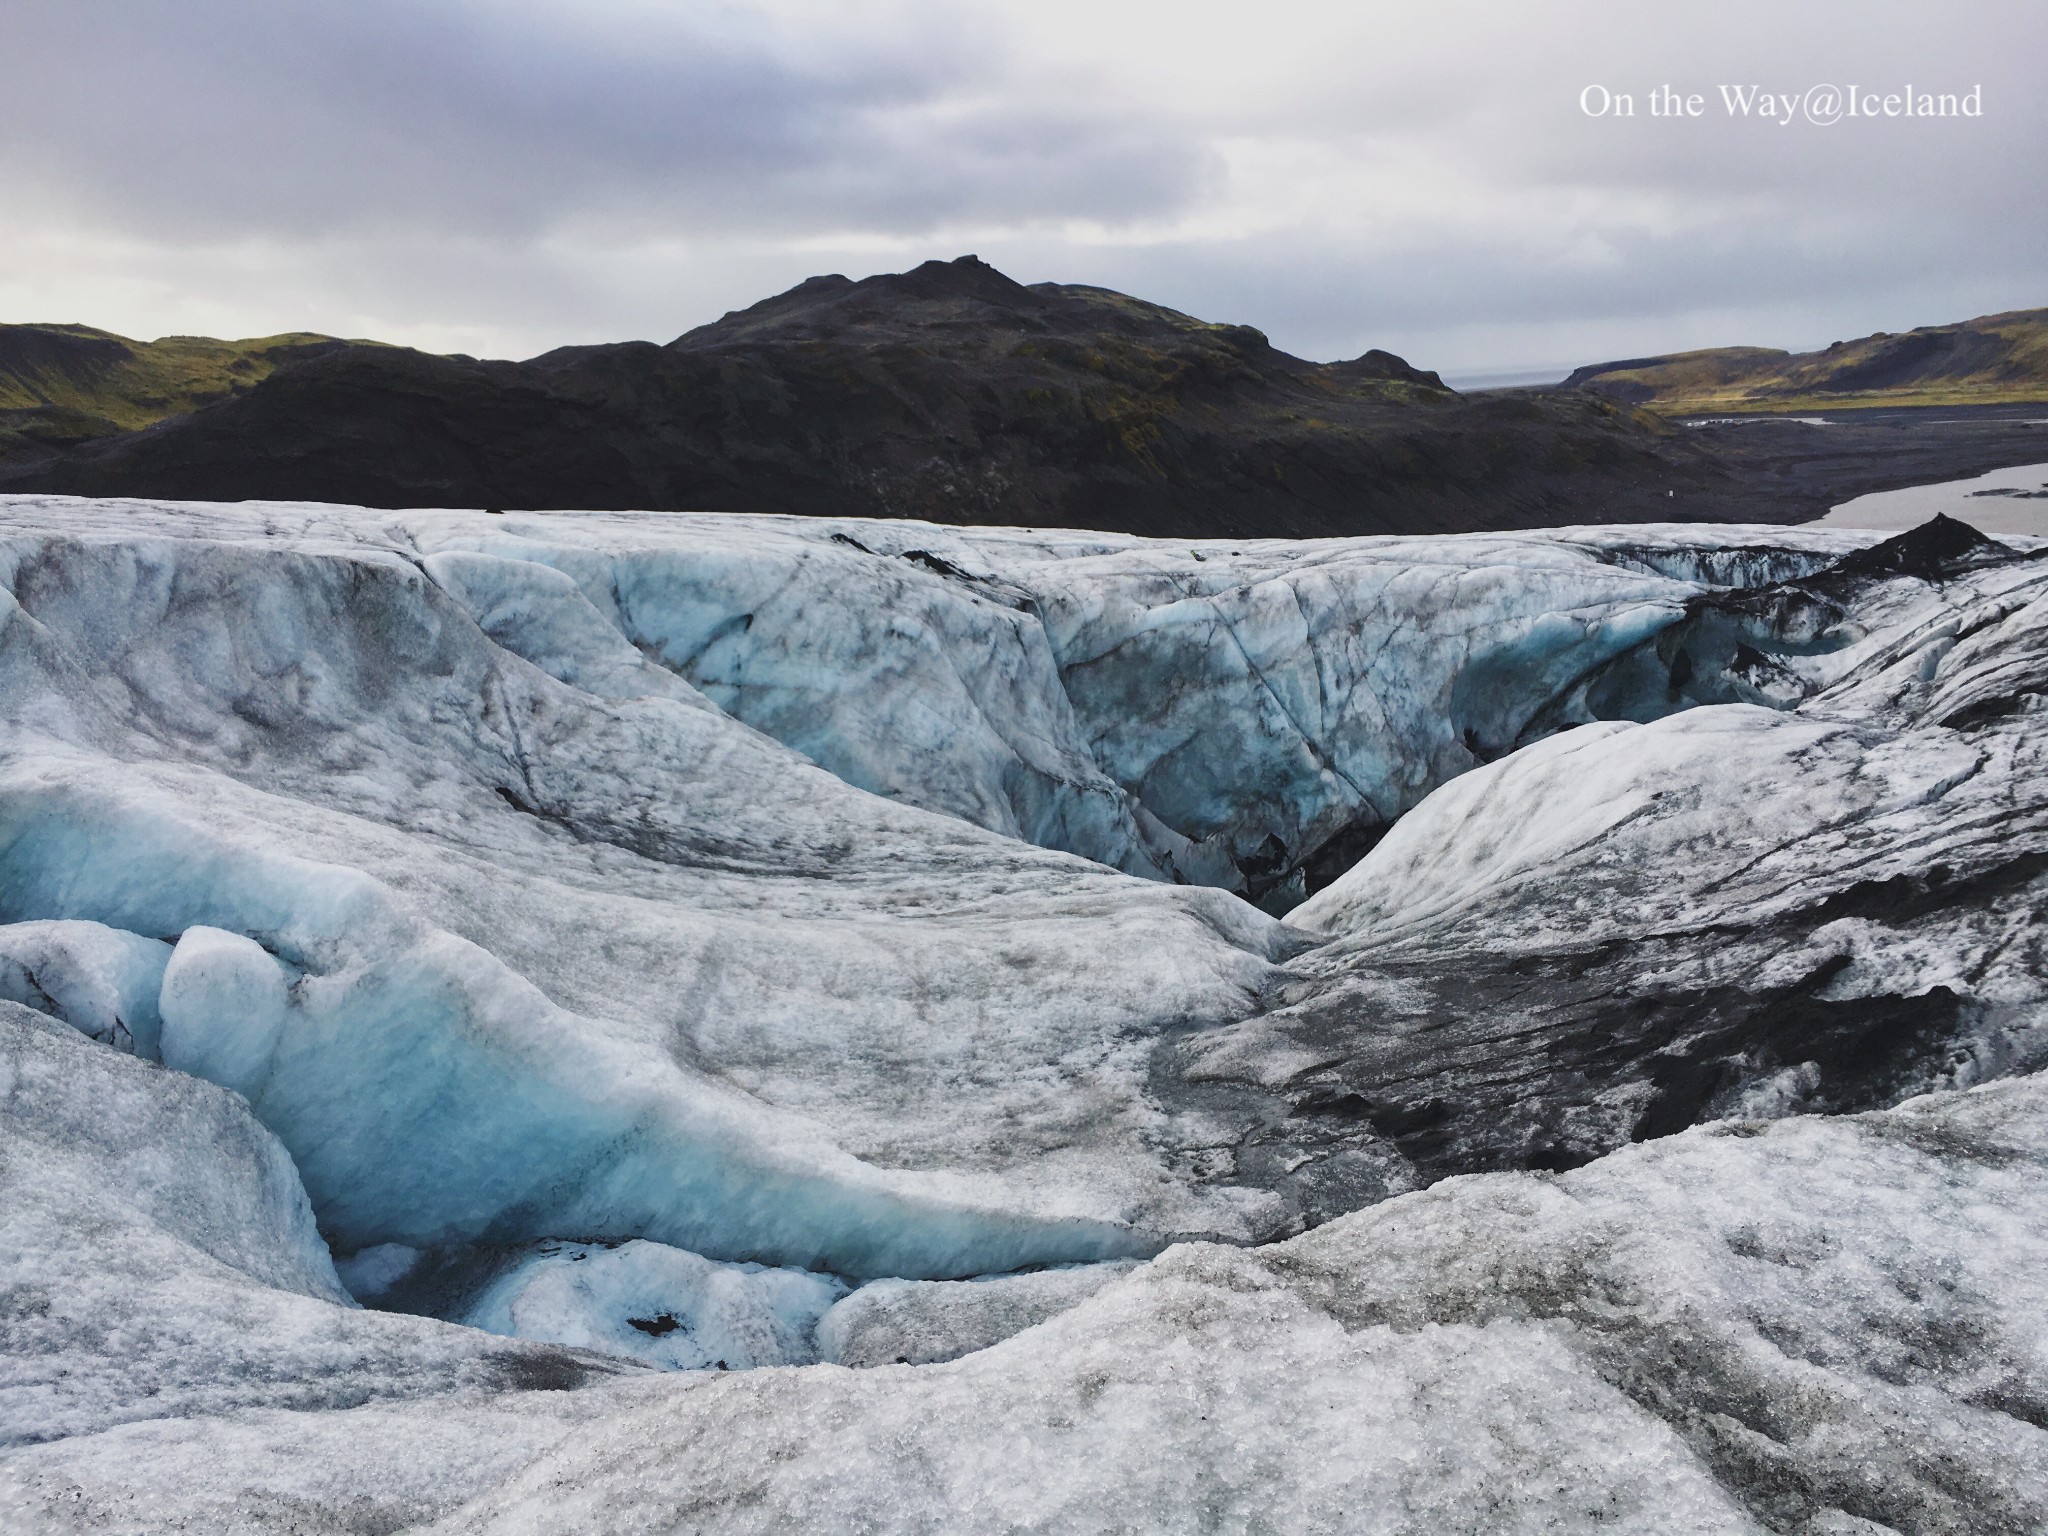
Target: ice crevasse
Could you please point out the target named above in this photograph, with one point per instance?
(742, 892)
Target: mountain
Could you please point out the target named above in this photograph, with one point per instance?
(61, 385)
(949, 392)
(953, 394)
(1994, 359)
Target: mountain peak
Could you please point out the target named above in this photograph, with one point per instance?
(965, 277)
(826, 304)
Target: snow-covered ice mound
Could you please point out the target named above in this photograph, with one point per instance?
(159, 1260)
(1751, 1327)
(1798, 1326)
(633, 934)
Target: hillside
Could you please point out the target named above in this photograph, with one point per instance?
(949, 392)
(1992, 360)
(65, 384)
(954, 394)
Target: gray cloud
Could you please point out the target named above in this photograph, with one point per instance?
(506, 177)
(208, 118)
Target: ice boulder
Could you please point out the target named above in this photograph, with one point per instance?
(660, 1304)
(102, 981)
(223, 1005)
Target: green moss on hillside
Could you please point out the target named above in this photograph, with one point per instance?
(62, 384)
(1993, 360)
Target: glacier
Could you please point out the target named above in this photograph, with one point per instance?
(1744, 1328)
(1257, 1030)
(679, 1311)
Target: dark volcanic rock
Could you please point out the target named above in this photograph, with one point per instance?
(949, 392)
(1938, 548)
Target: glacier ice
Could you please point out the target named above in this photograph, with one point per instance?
(103, 981)
(678, 920)
(223, 1003)
(159, 1260)
(919, 1322)
(169, 1319)
(430, 1095)
(1217, 714)
(1742, 1328)
(423, 761)
(658, 1304)
(371, 1273)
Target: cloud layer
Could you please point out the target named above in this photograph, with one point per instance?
(509, 176)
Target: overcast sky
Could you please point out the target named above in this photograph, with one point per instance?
(499, 178)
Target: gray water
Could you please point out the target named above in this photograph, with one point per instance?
(1977, 501)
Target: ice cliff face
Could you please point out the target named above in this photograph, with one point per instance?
(629, 933)
(1245, 716)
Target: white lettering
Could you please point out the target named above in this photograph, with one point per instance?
(1819, 104)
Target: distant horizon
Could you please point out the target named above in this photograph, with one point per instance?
(1479, 366)
(1481, 375)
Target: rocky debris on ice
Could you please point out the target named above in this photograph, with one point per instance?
(1623, 929)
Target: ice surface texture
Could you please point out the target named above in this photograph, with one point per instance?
(1791, 1326)
(659, 1304)
(1747, 1327)
(158, 1258)
(495, 865)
